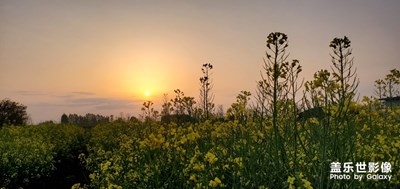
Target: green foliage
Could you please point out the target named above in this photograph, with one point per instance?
(235, 155)
(31, 153)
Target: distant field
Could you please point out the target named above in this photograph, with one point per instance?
(231, 154)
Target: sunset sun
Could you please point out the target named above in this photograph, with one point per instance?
(147, 93)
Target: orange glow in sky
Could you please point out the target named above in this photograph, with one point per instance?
(108, 57)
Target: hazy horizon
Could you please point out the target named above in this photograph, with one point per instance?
(103, 56)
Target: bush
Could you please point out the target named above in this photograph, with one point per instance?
(12, 113)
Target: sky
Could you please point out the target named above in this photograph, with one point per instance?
(101, 57)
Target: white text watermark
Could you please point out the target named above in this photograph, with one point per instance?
(361, 170)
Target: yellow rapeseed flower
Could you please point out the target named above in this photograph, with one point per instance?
(210, 157)
(214, 183)
(183, 140)
(365, 127)
(198, 167)
(226, 167)
(193, 136)
(307, 184)
(166, 145)
(290, 180)
(180, 150)
(314, 120)
(193, 178)
(238, 161)
(104, 166)
(75, 186)
(114, 186)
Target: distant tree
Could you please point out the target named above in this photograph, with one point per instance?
(48, 122)
(87, 121)
(206, 97)
(64, 119)
(12, 113)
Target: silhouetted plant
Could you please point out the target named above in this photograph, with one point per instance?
(318, 104)
(259, 107)
(206, 97)
(389, 87)
(189, 105)
(294, 70)
(344, 73)
(178, 106)
(272, 91)
(320, 91)
(380, 88)
(183, 108)
(166, 106)
(239, 110)
(392, 80)
(148, 111)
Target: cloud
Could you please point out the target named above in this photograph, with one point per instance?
(90, 100)
(76, 99)
(95, 103)
(100, 103)
(41, 93)
(83, 93)
(31, 93)
(64, 96)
